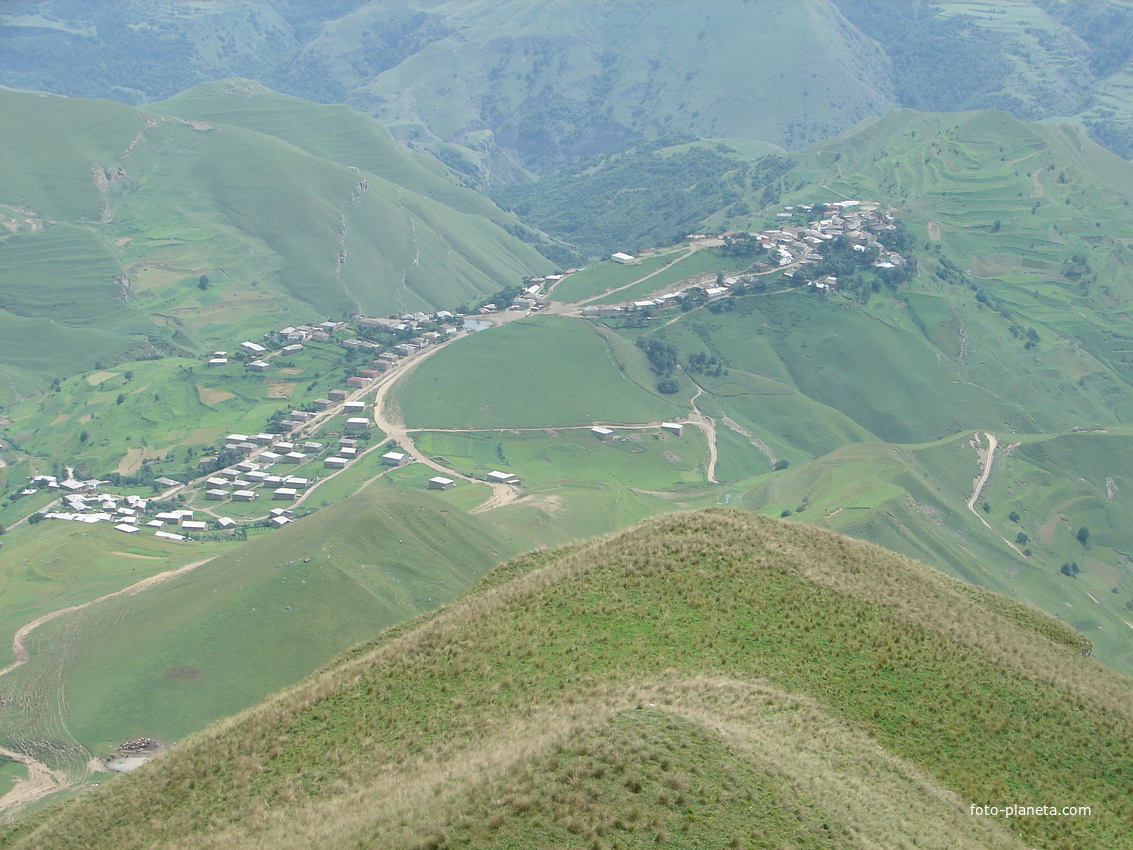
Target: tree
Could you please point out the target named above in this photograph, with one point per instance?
(780, 464)
(84, 436)
(203, 282)
(1084, 536)
(668, 386)
(1022, 539)
(121, 398)
(1013, 516)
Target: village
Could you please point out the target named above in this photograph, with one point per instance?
(285, 462)
(790, 248)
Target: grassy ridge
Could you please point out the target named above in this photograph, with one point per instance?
(718, 628)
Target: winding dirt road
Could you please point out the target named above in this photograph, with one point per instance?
(41, 779)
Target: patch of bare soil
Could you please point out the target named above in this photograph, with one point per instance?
(280, 389)
(211, 395)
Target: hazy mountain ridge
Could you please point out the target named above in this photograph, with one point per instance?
(552, 82)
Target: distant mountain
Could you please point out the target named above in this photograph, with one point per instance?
(115, 216)
(500, 87)
(705, 679)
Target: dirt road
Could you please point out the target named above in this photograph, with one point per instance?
(41, 779)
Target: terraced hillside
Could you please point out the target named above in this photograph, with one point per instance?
(134, 233)
(713, 679)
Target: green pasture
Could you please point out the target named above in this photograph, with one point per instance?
(690, 268)
(57, 563)
(646, 459)
(598, 278)
(170, 660)
(537, 372)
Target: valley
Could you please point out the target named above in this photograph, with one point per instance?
(513, 423)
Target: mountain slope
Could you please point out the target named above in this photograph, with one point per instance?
(113, 214)
(580, 696)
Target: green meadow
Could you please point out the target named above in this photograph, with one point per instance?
(251, 621)
(641, 459)
(530, 373)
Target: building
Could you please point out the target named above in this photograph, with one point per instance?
(294, 457)
(354, 407)
(357, 381)
(129, 529)
(226, 522)
(619, 257)
(348, 452)
(323, 403)
(497, 477)
(216, 495)
(280, 521)
(257, 366)
(672, 427)
(168, 535)
(335, 463)
(166, 482)
(357, 423)
(338, 395)
(393, 459)
(253, 347)
(603, 434)
(441, 483)
(244, 496)
(218, 361)
(193, 525)
(270, 457)
(284, 493)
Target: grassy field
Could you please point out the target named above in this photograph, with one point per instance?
(710, 679)
(598, 278)
(647, 460)
(530, 373)
(261, 615)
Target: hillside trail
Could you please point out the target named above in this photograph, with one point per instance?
(41, 779)
(986, 458)
(707, 425)
(39, 783)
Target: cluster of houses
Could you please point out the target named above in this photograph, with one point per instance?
(862, 223)
(85, 501)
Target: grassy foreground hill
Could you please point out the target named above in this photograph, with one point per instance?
(710, 679)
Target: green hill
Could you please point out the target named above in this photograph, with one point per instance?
(255, 618)
(114, 214)
(709, 679)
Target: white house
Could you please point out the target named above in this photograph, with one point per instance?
(619, 257)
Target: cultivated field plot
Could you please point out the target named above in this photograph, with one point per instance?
(540, 372)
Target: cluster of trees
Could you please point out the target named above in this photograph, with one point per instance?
(636, 196)
(663, 360)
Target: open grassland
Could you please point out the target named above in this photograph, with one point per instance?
(168, 661)
(647, 459)
(598, 278)
(710, 678)
(691, 268)
(531, 373)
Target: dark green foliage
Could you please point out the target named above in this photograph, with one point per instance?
(637, 196)
(1083, 535)
(940, 63)
(668, 386)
